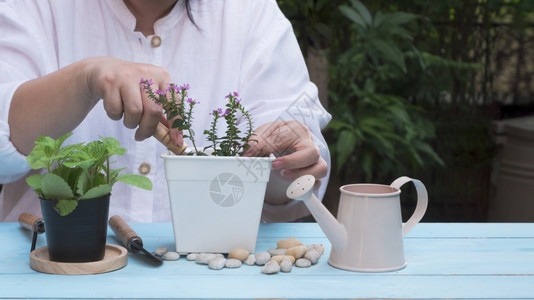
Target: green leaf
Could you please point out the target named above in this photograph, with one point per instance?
(352, 15)
(345, 146)
(426, 148)
(34, 181)
(96, 149)
(363, 11)
(113, 146)
(178, 123)
(55, 187)
(37, 159)
(400, 18)
(390, 51)
(337, 125)
(65, 207)
(367, 165)
(400, 113)
(136, 180)
(61, 140)
(97, 192)
(82, 184)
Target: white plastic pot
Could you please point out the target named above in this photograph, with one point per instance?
(216, 202)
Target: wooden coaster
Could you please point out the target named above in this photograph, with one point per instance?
(115, 258)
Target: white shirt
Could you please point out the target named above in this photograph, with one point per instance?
(239, 45)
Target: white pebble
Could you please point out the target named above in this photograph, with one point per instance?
(171, 255)
(161, 250)
(217, 263)
(204, 258)
(303, 263)
(233, 263)
(278, 251)
(313, 256)
(286, 265)
(262, 258)
(251, 260)
(317, 247)
(219, 255)
(270, 267)
(191, 256)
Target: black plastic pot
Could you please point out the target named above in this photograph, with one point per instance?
(79, 236)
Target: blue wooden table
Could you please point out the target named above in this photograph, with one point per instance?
(445, 260)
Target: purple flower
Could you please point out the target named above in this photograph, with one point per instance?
(161, 92)
(185, 87)
(191, 101)
(232, 94)
(172, 87)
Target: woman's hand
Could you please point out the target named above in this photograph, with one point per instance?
(117, 83)
(56, 103)
(292, 144)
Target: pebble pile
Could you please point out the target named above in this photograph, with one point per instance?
(288, 253)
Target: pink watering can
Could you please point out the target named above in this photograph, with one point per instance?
(368, 234)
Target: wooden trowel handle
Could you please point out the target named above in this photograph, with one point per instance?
(124, 232)
(162, 135)
(31, 222)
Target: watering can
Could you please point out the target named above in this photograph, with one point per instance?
(368, 234)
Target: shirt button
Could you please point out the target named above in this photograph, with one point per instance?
(144, 168)
(155, 41)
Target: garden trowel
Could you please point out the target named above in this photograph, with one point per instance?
(130, 239)
(162, 135)
(32, 223)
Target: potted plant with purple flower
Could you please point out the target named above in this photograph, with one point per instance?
(216, 194)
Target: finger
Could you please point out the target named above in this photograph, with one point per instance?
(270, 138)
(318, 170)
(317, 184)
(306, 154)
(149, 120)
(113, 104)
(257, 148)
(132, 99)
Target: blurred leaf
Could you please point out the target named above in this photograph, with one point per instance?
(362, 11)
(352, 15)
(390, 52)
(345, 146)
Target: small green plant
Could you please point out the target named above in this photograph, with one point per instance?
(178, 106)
(77, 172)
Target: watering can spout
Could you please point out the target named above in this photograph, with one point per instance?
(302, 189)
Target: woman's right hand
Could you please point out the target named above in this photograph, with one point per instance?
(56, 103)
(116, 82)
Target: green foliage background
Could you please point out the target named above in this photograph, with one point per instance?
(413, 87)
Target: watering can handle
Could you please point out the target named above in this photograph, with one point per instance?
(422, 202)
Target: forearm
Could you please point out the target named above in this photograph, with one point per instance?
(51, 105)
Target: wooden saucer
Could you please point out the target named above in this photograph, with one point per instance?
(115, 258)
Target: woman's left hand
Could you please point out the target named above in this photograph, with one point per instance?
(292, 144)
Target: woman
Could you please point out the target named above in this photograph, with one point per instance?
(75, 66)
